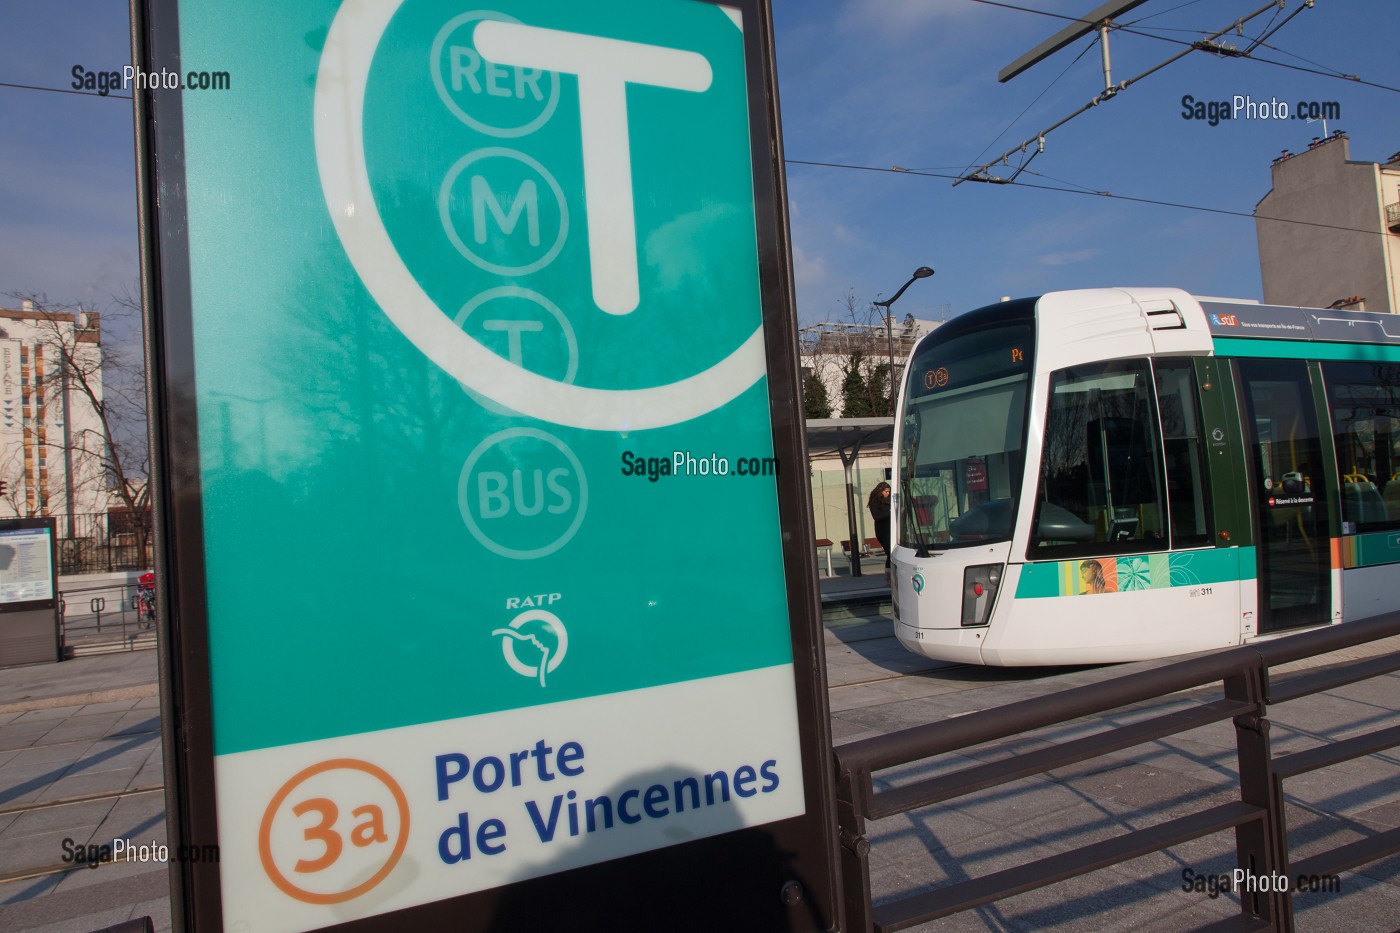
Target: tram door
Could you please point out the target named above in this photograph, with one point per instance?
(1293, 539)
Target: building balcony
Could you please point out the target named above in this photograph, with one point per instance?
(1392, 217)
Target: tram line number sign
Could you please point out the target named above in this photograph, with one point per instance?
(481, 256)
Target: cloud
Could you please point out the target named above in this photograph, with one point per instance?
(808, 270)
(845, 234)
(1068, 257)
(900, 16)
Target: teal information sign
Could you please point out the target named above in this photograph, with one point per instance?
(481, 387)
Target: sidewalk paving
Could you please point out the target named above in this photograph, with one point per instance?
(90, 726)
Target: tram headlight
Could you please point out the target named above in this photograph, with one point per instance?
(980, 585)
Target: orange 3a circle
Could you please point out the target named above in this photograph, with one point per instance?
(274, 872)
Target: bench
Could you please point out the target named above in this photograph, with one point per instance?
(846, 550)
(825, 544)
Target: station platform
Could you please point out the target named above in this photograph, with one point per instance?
(80, 759)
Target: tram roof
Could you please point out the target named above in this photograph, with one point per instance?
(1280, 322)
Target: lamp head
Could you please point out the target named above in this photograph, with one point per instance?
(923, 272)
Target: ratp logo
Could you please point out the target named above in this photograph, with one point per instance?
(547, 640)
(918, 582)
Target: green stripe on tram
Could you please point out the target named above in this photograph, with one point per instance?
(1137, 572)
(1372, 549)
(1305, 350)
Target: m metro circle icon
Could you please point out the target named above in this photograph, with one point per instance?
(604, 70)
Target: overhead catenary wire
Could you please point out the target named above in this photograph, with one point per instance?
(1018, 116)
(1204, 45)
(1092, 193)
(62, 90)
(1106, 94)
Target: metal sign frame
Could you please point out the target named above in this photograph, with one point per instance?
(742, 880)
(29, 629)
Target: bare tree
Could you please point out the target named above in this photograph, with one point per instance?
(107, 452)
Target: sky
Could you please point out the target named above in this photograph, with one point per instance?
(866, 83)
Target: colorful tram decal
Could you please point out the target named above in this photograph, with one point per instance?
(1219, 471)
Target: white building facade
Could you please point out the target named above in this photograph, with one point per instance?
(52, 447)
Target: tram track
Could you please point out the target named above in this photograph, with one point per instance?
(58, 868)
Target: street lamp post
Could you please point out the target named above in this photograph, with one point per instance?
(922, 272)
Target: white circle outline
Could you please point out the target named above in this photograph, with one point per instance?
(515, 291)
(486, 540)
(555, 623)
(340, 159)
(435, 68)
(445, 196)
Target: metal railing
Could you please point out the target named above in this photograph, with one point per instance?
(1257, 818)
(1392, 217)
(104, 542)
(103, 617)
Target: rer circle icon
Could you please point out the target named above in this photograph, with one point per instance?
(333, 831)
(497, 100)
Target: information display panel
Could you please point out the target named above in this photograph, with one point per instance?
(490, 567)
(26, 563)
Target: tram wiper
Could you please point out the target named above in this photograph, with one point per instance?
(922, 550)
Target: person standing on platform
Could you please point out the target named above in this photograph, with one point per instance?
(879, 505)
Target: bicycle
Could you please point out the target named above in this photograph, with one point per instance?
(146, 600)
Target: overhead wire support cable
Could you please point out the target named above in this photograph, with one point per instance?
(1091, 193)
(979, 173)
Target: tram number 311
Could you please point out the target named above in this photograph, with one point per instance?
(1200, 591)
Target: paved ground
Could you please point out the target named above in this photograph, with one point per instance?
(80, 760)
(89, 729)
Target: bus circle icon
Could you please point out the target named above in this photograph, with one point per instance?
(333, 831)
(544, 643)
(522, 493)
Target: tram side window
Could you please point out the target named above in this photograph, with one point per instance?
(1101, 488)
(1185, 454)
(1364, 399)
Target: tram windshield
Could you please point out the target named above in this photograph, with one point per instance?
(962, 435)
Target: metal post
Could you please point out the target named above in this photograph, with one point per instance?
(63, 364)
(851, 806)
(1107, 69)
(846, 463)
(889, 340)
(922, 272)
(1260, 847)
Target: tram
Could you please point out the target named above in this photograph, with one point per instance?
(1123, 474)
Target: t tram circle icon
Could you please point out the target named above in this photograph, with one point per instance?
(564, 212)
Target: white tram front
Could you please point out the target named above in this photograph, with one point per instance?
(1080, 478)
